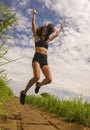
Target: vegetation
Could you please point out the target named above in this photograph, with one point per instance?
(7, 20)
(5, 93)
(74, 110)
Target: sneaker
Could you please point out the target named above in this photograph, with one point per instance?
(22, 97)
(37, 87)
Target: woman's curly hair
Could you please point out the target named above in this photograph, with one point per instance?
(50, 28)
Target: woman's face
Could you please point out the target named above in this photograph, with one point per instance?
(44, 31)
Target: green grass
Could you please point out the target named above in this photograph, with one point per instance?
(73, 110)
(5, 93)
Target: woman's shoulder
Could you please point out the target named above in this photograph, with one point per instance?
(37, 38)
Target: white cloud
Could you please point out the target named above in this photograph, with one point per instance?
(29, 11)
(68, 54)
(19, 71)
(66, 76)
(76, 40)
(70, 77)
(23, 22)
(23, 3)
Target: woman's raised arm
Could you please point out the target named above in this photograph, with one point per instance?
(56, 34)
(33, 22)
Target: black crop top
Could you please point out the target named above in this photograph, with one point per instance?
(41, 43)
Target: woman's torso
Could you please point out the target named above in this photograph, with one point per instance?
(41, 46)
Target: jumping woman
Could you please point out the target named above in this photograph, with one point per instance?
(42, 37)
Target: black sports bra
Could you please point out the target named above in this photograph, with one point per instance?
(41, 43)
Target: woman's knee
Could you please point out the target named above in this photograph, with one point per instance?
(49, 80)
(36, 77)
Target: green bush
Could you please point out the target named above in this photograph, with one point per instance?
(5, 93)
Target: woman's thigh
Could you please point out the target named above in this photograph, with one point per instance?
(46, 71)
(36, 69)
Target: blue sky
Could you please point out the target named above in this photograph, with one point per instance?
(69, 54)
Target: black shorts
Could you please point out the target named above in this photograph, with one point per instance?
(40, 58)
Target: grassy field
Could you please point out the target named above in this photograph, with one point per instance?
(5, 93)
(73, 110)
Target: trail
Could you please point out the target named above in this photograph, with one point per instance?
(26, 117)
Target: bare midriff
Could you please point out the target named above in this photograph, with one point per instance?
(41, 50)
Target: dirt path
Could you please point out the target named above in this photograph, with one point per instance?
(26, 117)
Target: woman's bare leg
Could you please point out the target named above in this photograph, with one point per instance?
(36, 73)
(48, 77)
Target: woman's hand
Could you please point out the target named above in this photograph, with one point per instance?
(34, 11)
